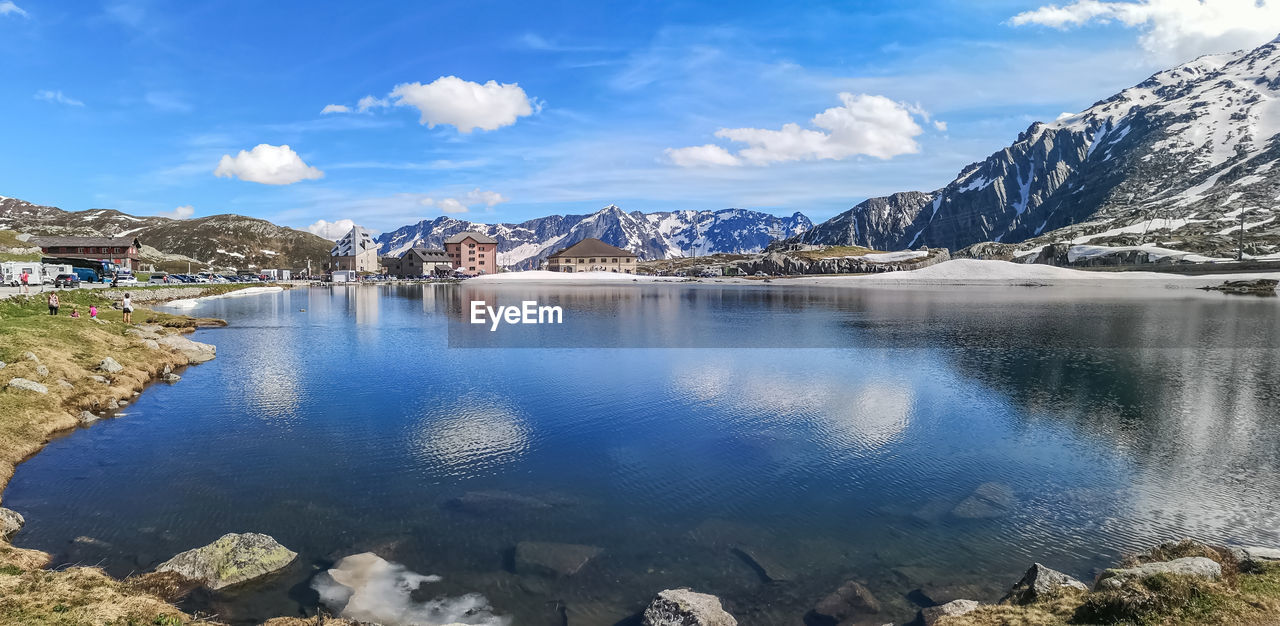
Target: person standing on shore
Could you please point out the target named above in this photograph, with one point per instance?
(127, 306)
(53, 303)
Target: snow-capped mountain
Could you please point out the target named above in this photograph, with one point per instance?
(660, 235)
(1181, 156)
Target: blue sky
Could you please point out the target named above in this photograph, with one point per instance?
(135, 105)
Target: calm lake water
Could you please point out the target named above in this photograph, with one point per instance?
(834, 434)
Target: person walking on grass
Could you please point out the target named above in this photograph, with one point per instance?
(53, 303)
(127, 306)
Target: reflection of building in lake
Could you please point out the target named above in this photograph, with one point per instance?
(364, 301)
(592, 255)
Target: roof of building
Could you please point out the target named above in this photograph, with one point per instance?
(478, 237)
(591, 247)
(47, 242)
(356, 241)
(428, 255)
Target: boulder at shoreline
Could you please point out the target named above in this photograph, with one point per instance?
(195, 351)
(1039, 583)
(684, 607)
(10, 523)
(1195, 566)
(234, 558)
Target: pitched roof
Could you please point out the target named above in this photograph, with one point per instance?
(428, 255)
(356, 241)
(591, 247)
(73, 242)
(479, 237)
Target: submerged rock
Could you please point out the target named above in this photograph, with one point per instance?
(683, 607)
(552, 559)
(1196, 566)
(195, 351)
(1039, 583)
(934, 614)
(488, 502)
(10, 523)
(110, 366)
(171, 378)
(27, 385)
(987, 500)
(851, 600)
(769, 569)
(233, 558)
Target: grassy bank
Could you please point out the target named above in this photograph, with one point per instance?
(63, 355)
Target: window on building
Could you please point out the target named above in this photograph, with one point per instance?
(615, 260)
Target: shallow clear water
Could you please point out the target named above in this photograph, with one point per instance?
(838, 451)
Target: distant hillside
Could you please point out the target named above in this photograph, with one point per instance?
(220, 241)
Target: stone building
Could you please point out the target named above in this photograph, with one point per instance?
(592, 255)
(356, 251)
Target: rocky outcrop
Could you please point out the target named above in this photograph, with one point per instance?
(850, 602)
(195, 351)
(988, 500)
(27, 385)
(85, 418)
(781, 263)
(683, 607)
(10, 523)
(110, 366)
(935, 614)
(552, 559)
(1040, 583)
(1259, 287)
(1254, 559)
(234, 558)
(1195, 566)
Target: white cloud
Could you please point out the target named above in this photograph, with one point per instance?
(179, 213)
(267, 164)
(335, 108)
(464, 104)
(864, 125)
(163, 101)
(489, 199)
(7, 7)
(331, 230)
(1173, 31)
(940, 125)
(370, 102)
(57, 96)
(709, 155)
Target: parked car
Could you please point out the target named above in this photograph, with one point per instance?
(158, 279)
(126, 279)
(70, 281)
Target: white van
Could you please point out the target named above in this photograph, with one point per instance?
(52, 270)
(12, 271)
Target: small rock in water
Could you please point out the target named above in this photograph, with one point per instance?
(27, 385)
(10, 523)
(87, 418)
(987, 501)
(1196, 566)
(934, 614)
(1039, 583)
(552, 559)
(233, 558)
(110, 366)
(171, 378)
(851, 600)
(683, 607)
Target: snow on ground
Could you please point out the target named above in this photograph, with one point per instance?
(1075, 253)
(891, 257)
(251, 291)
(1005, 273)
(1138, 228)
